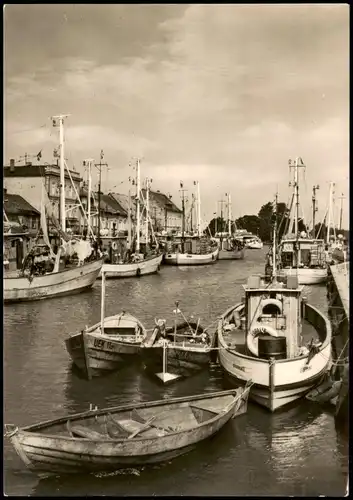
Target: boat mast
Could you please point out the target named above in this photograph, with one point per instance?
(315, 188)
(222, 225)
(274, 246)
(147, 207)
(198, 210)
(99, 166)
(89, 190)
(138, 206)
(129, 220)
(60, 119)
(330, 215)
(183, 217)
(229, 216)
(341, 211)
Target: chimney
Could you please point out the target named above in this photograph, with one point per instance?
(12, 165)
(5, 192)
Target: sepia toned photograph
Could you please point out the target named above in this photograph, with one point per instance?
(176, 250)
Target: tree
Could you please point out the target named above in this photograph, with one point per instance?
(249, 222)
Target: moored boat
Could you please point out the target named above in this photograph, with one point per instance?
(140, 267)
(275, 338)
(108, 345)
(177, 351)
(125, 436)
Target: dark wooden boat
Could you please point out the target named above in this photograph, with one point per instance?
(125, 436)
(178, 351)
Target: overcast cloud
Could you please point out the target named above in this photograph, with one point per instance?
(223, 94)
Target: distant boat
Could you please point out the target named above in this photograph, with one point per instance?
(254, 243)
(177, 351)
(230, 246)
(262, 339)
(133, 434)
(26, 284)
(107, 345)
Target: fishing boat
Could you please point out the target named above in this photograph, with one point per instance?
(125, 436)
(192, 251)
(300, 255)
(177, 351)
(108, 345)
(26, 285)
(275, 338)
(230, 247)
(134, 263)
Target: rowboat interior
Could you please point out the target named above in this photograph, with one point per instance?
(188, 335)
(121, 327)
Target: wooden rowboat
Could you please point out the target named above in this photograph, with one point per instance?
(107, 345)
(125, 436)
(96, 351)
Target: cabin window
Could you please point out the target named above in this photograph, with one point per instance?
(271, 309)
(306, 257)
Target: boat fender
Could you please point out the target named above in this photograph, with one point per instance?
(158, 267)
(138, 272)
(274, 302)
(114, 245)
(252, 341)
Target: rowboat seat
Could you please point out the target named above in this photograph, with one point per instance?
(84, 432)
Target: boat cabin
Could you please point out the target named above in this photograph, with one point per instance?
(277, 307)
(310, 254)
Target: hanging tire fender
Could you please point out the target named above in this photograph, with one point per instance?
(252, 340)
(138, 272)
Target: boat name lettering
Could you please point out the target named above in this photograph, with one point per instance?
(239, 367)
(101, 344)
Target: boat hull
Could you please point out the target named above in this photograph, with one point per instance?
(186, 259)
(96, 354)
(60, 454)
(305, 276)
(180, 361)
(67, 282)
(280, 382)
(148, 266)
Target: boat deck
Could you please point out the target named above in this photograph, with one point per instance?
(236, 338)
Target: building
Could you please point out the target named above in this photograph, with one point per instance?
(26, 181)
(165, 215)
(113, 216)
(20, 213)
(21, 224)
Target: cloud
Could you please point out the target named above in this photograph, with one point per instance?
(226, 92)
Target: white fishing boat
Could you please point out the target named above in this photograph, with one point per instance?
(137, 264)
(276, 339)
(108, 345)
(25, 285)
(198, 250)
(300, 255)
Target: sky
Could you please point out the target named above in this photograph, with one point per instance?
(221, 94)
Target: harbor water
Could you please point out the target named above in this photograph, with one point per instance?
(297, 451)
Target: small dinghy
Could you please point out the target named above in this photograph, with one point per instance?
(177, 351)
(108, 345)
(125, 436)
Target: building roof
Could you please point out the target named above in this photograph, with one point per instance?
(14, 204)
(123, 200)
(30, 170)
(163, 201)
(109, 203)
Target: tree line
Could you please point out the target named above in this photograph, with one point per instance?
(262, 224)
